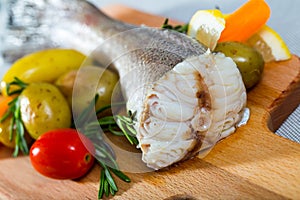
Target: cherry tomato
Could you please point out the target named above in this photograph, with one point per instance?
(62, 154)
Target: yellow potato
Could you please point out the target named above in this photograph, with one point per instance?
(90, 81)
(44, 108)
(43, 66)
(4, 133)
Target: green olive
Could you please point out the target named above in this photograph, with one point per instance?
(249, 61)
(43, 108)
(89, 81)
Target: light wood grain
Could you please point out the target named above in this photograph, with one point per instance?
(253, 163)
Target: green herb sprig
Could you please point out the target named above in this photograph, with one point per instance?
(117, 125)
(179, 28)
(120, 126)
(16, 125)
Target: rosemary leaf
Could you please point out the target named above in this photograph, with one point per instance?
(117, 133)
(132, 115)
(20, 131)
(107, 120)
(131, 130)
(166, 22)
(134, 140)
(110, 180)
(24, 146)
(112, 191)
(110, 160)
(11, 129)
(5, 116)
(179, 28)
(105, 188)
(110, 152)
(121, 125)
(16, 151)
(20, 127)
(17, 147)
(100, 154)
(101, 184)
(102, 144)
(121, 175)
(124, 119)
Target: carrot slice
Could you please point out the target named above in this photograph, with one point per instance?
(4, 101)
(245, 21)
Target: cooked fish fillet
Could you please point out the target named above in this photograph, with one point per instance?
(186, 98)
(190, 108)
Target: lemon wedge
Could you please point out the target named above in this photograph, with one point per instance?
(270, 44)
(206, 26)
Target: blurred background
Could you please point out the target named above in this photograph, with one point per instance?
(285, 17)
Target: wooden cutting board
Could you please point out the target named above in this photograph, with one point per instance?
(253, 163)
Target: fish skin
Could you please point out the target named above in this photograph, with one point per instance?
(141, 55)
(80, 25)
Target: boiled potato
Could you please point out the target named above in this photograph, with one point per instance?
(65, 83)
(43, 66)
(43, 108)
(249, 61)
(4, 133)
(89, 81)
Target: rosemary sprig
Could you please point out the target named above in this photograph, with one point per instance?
(107, 160)
(14, 112)
(179, 28)
(118, 125)
(16, 82)
(126, 125)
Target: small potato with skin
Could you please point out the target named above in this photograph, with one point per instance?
(43, 108)
(8, 138)
(4, 133)
(42, 66)
(249, 61)
(90, 80)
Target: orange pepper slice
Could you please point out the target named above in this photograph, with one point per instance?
(245, 21)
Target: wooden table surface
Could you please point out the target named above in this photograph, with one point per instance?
(253, 163)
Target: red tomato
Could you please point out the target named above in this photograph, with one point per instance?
(62, 154)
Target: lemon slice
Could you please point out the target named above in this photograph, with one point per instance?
(270, 45)
(206, 26)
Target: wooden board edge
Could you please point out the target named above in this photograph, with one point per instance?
(285, 104)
